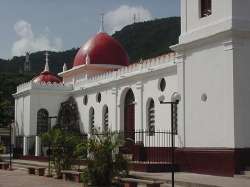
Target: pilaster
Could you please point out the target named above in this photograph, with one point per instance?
(38, 146)
(25, 146)
(139, 106)
(180, 61)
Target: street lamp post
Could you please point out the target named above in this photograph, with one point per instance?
(173, 103)
(10, 146)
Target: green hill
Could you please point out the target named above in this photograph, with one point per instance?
(149, 39)
(140, 40)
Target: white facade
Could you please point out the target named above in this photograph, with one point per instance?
(209, 71)
(142, 78)
(213, 61)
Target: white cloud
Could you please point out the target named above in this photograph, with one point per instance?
(124, 15)
(28, 41)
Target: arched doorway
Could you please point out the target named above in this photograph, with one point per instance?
(68, 116)
(129, 117)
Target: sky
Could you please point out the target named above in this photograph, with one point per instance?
(35, 25)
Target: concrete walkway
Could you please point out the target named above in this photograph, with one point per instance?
(196, 180)
(19, 178)
(182, 179)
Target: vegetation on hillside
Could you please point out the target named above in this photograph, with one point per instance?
(149, 39)
(8, 84)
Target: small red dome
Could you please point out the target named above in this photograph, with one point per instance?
(102, 49)
(46, 77)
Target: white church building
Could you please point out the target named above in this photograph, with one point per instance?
(209, 70)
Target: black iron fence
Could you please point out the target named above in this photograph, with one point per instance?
(147, 146)
(138, 146)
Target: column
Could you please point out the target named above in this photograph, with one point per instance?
(25, 146)
(180, 61)
(114, 119)
(38, 146)
(139, 111)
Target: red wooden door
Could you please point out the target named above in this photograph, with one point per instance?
(129, 125)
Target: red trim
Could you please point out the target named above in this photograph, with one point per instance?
(34, 158)
(213, 161)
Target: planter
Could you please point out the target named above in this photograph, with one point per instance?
(31, 171)
(41, 172)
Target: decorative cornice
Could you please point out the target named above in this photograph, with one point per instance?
(231, 44)
(43, 86)
(179, 58)
(127, 72)
(139, 85)
(114, 91)
(228, 45)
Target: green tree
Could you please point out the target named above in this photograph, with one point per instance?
(104, 161)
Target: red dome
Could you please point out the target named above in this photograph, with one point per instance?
(102, 49)
(46, 77)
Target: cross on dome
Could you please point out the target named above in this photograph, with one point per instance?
(102, 23)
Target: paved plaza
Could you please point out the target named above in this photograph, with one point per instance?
(20, 178)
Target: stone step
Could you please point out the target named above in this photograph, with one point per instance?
(30, 163)
(167, 181)
(246, 172)
(242, 176)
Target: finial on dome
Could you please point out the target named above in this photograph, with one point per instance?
(46, 68)
(87, 59)
(102, 23)
(65, 67)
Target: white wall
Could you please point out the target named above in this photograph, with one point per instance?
(22, 117)
(144, 86)
(48, 100)
(107, 99)
(209, 70)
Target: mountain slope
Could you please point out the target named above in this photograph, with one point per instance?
(149, 39)
(141, 40)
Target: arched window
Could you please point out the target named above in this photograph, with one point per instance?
(105, 118)
(42, 121)
(91, 120)
(205, 8)
(129, 116)
(151, 117)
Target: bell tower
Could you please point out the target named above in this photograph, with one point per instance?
(201, 18)
(213, 71)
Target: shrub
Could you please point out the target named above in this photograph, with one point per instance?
(104, 160)
(63, 148)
